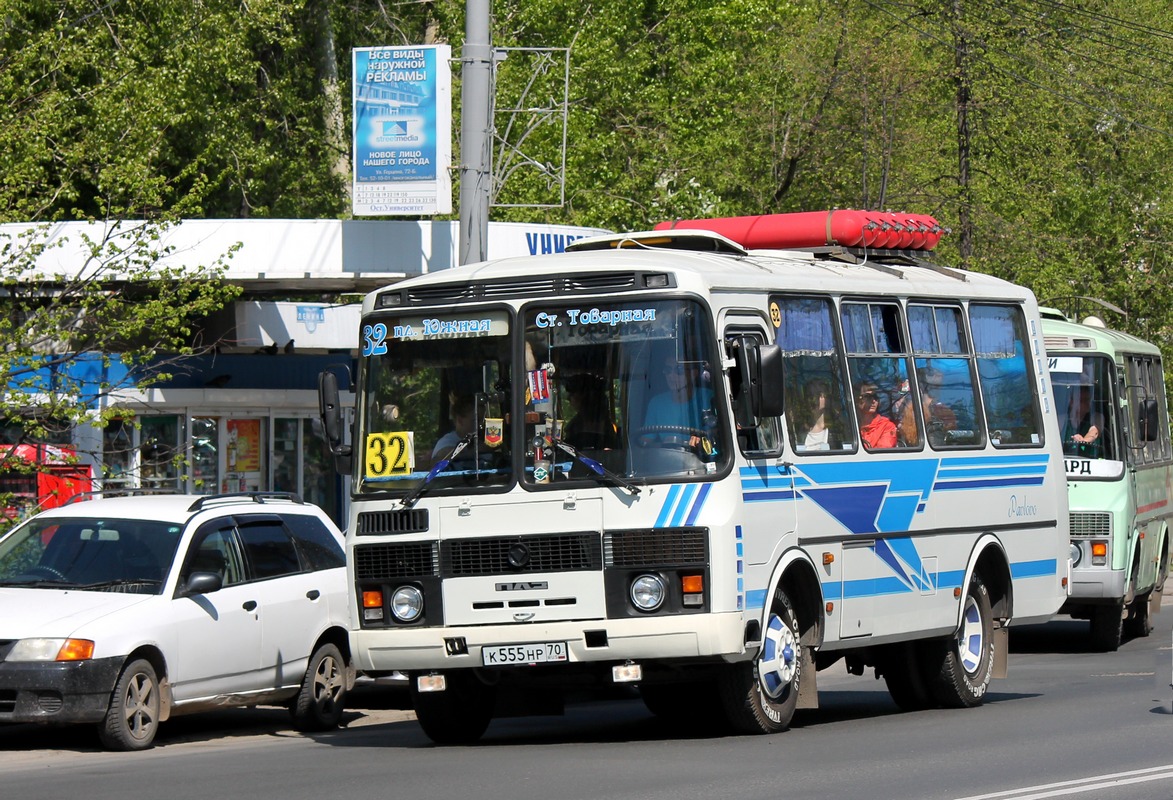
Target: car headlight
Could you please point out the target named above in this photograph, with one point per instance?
(51, 650)
(647, 592)
(407, 603)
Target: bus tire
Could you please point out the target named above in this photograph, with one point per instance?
(761, 696)
(1140, 622)
(1107, 627)
(902, 666)
(961, 665)
(458, 715)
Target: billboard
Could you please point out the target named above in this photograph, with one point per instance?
(402, 146)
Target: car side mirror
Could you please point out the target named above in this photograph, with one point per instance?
(202, 583)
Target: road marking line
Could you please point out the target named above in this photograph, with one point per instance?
(1080, 785)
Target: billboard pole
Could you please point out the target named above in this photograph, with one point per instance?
(476, 73)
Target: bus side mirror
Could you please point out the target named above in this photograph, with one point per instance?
(1148, 420)
(761, 370)
(330, 414)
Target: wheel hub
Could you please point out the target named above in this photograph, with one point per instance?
(969, 636)
(778, 662)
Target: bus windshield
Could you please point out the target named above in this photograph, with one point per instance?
(1083, 390)
(603, 395)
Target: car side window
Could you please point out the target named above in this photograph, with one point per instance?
(269, 549)
(217, 551)
(319, 547)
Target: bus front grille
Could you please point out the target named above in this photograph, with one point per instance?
(395, 560)
(399, 520)
(505, 555)
(656, 547)
(1091, 524)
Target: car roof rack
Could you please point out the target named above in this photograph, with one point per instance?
(256, 497)
(100, 493)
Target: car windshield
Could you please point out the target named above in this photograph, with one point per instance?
(114, 555)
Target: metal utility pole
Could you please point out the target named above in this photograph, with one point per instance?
(476, 122)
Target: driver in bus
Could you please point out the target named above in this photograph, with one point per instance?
(1084, 425)
(462, 412)
(683, 412)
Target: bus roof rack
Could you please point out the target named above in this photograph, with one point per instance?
(699, 241)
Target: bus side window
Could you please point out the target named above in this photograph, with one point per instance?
(878, 356)
(818, 408)
(1005, 375)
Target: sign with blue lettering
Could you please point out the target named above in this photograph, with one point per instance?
(402, 100)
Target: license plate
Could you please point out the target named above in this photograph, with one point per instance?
(537, 653)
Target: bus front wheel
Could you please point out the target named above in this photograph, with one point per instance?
(960, 666)
(761, 696)
(458, 715)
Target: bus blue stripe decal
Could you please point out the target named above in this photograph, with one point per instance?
(666, 509)
(1034, 569)
(944, 486)
(682, 505)
(699, 504)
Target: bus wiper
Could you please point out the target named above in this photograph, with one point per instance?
(411, 497)
(597, 469)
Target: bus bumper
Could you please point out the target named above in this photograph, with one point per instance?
(684, 636)
(1091, 585)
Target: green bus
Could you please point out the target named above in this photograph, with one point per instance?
(1110, 388)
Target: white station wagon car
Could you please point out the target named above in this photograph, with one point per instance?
(122, 611)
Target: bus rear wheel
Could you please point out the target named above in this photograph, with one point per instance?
(761, 696)
(458, 715)
(960, 666)
(902, 666)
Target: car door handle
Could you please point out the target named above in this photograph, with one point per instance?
(313, 594)
(250, 605)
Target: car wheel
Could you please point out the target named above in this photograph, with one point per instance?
(133, 716)
(321, 701)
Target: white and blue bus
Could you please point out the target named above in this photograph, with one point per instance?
(704, 465)
(1110, 392)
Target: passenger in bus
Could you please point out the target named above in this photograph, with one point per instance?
(939, 416)
(1084, 425)
(591, 427)
(819, 434)
(877, 431)
(462, 412)
(682, 413)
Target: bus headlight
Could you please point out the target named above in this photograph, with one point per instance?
(407, 604)
(1076, 554)
(647, 592)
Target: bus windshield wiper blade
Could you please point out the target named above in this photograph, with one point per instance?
(411, 497)
(596, 468)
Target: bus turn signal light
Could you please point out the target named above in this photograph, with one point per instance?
(693, 589)
(1099, 552)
